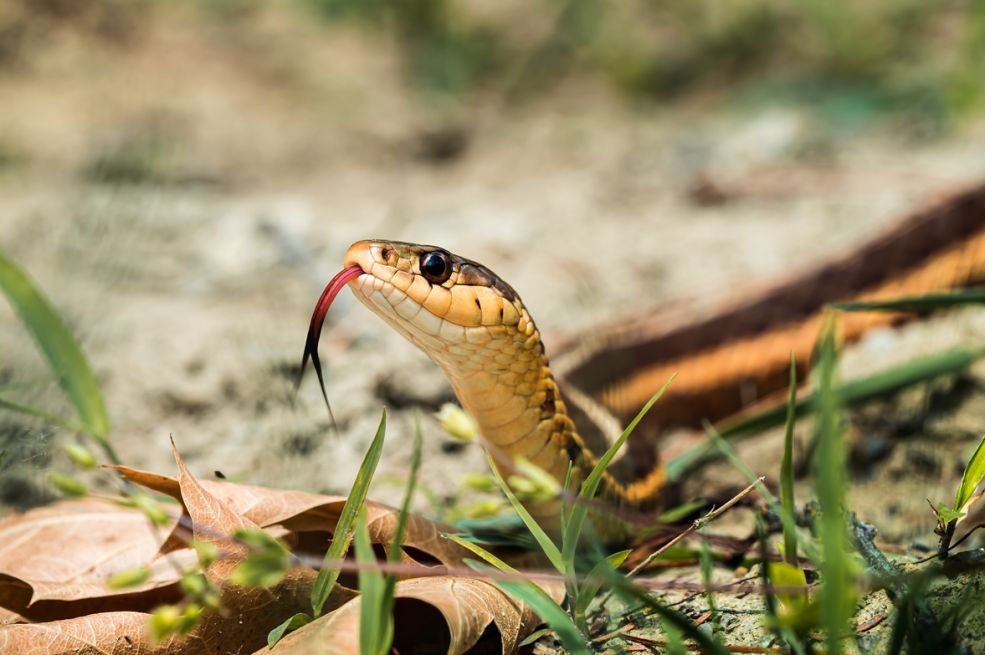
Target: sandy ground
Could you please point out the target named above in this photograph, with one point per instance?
(191, 286)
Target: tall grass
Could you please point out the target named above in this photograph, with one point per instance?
(838, 595)
(343, 534)
(62, 353)
(376, 625)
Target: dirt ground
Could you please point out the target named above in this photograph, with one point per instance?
(183, 199)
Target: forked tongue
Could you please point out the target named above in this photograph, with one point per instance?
(336, 284)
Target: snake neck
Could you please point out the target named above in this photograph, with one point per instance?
(502, 377)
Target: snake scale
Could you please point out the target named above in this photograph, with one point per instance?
(475, 327)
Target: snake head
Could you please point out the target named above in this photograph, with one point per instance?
(440, 302)
(431, 296)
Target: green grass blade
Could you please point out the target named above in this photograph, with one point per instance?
(771, 500)
(375, 623)
(56, 343)
(830, 484)
(705, 559)
(743, 468)
(404, 516)
(576, 521)
(543, 539)
(788, 507)
(781, 632)
(549, 611)
(544, 606)
(483, 554)
(396, 545)
(625, 588)
(327, 577)
(289, 625)
(974, 472)
(925, 303)
(675, 645)
(565, 491)
(856, 391)
(593, 583)
(591, 484)
(54, 419)
(533, 637)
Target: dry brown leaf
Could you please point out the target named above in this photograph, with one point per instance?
(242, 625)
(248, 614)
(213, 521)
(435, 615)
(54, 556)
(110, 633)
(114, 539)
(239, 630)
(263, 506)
(300, 511)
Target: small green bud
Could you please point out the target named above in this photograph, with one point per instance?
(67, 485)
(524, 487)
(261, 569)
(545, 485)
(457, 422)
(484, 509)
(210, 598)
(257, 539)
(81, 455)
(189, 618)
(479, 482)
(193, 584)
(207, 553)
(164, 621)
(129, 578)
(151, 508)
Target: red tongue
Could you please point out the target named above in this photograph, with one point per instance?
(342, 278)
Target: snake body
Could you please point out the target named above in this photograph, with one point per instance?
(475, 327)
(741, 352)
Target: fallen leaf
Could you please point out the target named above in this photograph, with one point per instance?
(213, 521)
(110, 633)
(439, 614)
(116, 539)
(444, 610)
(58, 555)
(248, 614)
(300, 512)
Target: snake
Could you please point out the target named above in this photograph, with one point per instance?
(474, 326)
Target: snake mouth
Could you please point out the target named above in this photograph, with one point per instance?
(331, 290)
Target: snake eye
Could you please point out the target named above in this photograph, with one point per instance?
(436, 267)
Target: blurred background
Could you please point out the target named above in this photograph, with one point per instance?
(182, 177)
